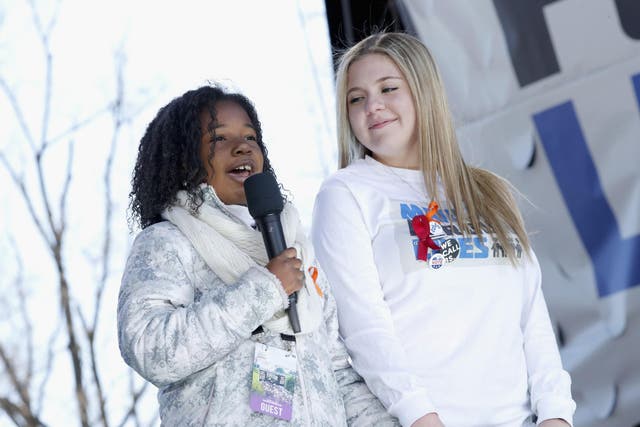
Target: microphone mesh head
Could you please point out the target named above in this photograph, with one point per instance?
(263, 195)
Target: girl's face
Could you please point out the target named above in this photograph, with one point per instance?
(381, 111)
(236, 153)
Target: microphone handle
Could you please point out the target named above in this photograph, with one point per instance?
(292, 312)
(273, 236)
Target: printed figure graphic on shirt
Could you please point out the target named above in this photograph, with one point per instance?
(497, 250)
(439, 292)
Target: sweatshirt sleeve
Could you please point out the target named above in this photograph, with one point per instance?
(343, 247)
(549, 383)
(165, 333)
(362, 408)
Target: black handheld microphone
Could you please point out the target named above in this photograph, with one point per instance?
(264, 201)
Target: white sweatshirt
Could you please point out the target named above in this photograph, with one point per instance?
(471, 341)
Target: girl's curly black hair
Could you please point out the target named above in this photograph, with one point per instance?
(169, 153)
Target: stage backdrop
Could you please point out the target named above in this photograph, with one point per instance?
(547, 94)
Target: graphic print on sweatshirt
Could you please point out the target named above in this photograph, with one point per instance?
(457, 250)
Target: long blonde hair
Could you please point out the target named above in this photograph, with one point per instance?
(478, 196)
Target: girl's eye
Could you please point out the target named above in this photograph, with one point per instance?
(218, 138)
(251, 138)
(356, 99)
(388, 89)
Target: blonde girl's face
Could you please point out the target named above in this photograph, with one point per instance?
(381, 111)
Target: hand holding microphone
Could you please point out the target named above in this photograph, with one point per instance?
(264, 201)
(287, 268)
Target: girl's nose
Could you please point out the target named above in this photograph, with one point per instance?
(373, 104)
(242, 147)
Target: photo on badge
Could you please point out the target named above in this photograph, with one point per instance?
(273, 381)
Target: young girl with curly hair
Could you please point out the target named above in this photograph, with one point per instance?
(201, 307)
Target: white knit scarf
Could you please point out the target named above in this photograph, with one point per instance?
(230, 248)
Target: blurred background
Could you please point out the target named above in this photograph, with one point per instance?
(544, 92)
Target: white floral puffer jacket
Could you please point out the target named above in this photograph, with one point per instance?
(181, 328)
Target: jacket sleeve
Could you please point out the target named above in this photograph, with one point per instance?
(165, 333)
(362, 408)
(343, 247)
(549, 383)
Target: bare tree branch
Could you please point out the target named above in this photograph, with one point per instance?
(12, 410)
(16, 413)
(57, 244)
(48, 367)
(39, 154)
(22, 302)
(23, 393)
(90, 330)
(74, 350)
(24, 408)
(19, 415)
(36, 20)
(44, 39)
(79, 125)
(19, 181)
(135, 396)
(54, 18)
(18, 112)
(44, 131)
(51, 221)
(65, 188)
